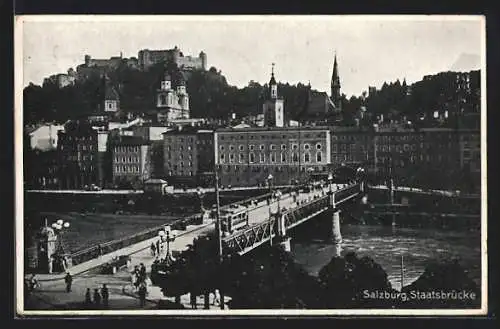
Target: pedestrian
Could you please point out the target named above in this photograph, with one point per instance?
(192, 297)
(88, 300)
(97, 298)
(99, 250)
(216, 300)
(158, 246)
(153, 249)
(142, 272)
(142, 295)
(69, 280)
(105, 295)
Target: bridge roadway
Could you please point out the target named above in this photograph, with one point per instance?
(53, 295)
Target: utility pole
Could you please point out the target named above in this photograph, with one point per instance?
(217, 218)
(402, 273)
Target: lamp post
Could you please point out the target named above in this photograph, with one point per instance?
(269, 182)
(330, 180)
(167, 236)
(200, 194)
(59, 227)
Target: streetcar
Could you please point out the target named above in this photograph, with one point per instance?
(233, 218)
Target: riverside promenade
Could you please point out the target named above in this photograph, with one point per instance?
(52, 294)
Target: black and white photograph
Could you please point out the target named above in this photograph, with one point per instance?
(250, 165)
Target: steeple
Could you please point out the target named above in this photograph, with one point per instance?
(335, 84)
(273, 86)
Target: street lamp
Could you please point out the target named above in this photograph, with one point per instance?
(330, 180)
(59, 226)
(278, 195)
(269, 181)
(200, 194)
(167, 236)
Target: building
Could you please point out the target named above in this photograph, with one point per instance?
(111, 101)
(147, 58)
(78, 148)
(246, 157)
(44, 137)
(273, 107)
(131, 161)
(41, 169)
(352, 146)
(172, 103)
(153, 134)
(470, 150)
(188, 156)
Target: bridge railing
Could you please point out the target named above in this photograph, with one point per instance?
(246, 239)
(110, 246)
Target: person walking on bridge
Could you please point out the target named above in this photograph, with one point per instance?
(97, 298)
(68, 279)
(88, 299)
(153, 249)
(105, 295)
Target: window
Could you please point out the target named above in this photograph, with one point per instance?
(306, 146)
(189, 148)
(251, 147)
(318, 146)
(231, 157)
(283, 157)
(295, 146)
(262, 158)
(222, 158)
(273, 157)
(283, 146)
(231, 147)
(242, 157)
(295, 157)
(307, 157)
(272, 147)
(251, 158)
(221, 147)
(262, 147)
(181, 148)
(241, 147)
(319, 157)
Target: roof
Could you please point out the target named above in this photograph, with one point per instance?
(301, 128)
(131, 140)
(188, 130)
(111, 94)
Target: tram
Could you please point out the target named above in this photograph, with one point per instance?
(233, 218)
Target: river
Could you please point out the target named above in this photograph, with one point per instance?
(386, 244)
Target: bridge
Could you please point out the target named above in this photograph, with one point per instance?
(287, 213)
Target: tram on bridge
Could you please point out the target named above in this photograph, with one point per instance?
(233, 218)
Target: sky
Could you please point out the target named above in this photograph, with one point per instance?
(370, 49)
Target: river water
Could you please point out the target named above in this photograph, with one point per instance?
(386, 244)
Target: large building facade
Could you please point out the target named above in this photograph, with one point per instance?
(78, 152)
(248, 156)
(188, 156)
(131, 161)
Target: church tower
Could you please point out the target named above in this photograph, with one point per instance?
(273, 107)
(335, 85)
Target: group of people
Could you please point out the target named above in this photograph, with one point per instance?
(139, 278)
(156, 248)
(99, 299)
(215, 301)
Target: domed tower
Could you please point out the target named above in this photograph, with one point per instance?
(183, 98)
(273, 107)
(163, 95)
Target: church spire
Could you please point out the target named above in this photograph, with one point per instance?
(335, 84)
(273, 86)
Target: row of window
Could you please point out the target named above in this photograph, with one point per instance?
(127, 169)
(181, 156)
(294, 157)
(273, 136)
(272, 147)
(80, 157)
(180, 164)
(125, 149)
(130, 159)
(181, 148)
(180, 173)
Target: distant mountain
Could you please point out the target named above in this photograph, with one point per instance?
(466, 63)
